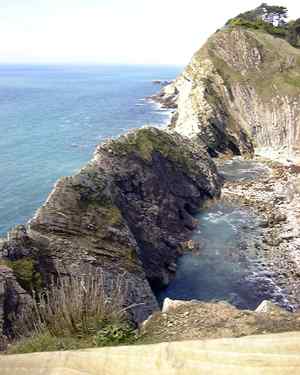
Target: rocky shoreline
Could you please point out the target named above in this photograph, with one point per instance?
(126, 214)
(130, 211)
(219, 101)
(275, 199)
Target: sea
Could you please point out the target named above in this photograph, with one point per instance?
(53, 116)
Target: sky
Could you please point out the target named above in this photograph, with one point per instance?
(114, 31)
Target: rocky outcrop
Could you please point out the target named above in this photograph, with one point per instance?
(13, 300)
(275, 198)
(126, 213)
(195, 320)
(241, 90)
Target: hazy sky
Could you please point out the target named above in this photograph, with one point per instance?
(117, 31)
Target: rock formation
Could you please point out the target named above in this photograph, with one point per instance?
(195, 320)
(241, 90)
(130, 210)
(126, 213)
(13, 298)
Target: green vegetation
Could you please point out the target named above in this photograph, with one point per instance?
(270, 19)
(113, 215)
(114, 334)
(75, 313)
(147, 141)
(45, 342)
(26, 273)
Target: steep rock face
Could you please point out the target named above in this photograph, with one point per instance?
(125, 213)
(240, 91)
(13, 300)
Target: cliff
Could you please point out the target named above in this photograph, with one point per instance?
(240, 91)
(126, 213)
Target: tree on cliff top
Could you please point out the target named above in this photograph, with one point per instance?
(271, 19)
(272, 14)
(275, 15)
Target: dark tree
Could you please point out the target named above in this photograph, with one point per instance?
(293, 33)
(275, 15)
(271, 19)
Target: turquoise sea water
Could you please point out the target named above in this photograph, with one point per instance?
(52, 117)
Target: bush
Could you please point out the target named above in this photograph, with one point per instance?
(26, 273)
(76, 312)
(270, 19)
(259, 25)
(115, 334)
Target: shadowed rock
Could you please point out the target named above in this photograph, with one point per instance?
(126, 213)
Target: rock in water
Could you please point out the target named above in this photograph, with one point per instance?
(240, 90)
(126, 212)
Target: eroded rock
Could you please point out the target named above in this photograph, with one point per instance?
(13, 302)
(238, 93)
(125, 213)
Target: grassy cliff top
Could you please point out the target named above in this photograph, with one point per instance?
(146, 142)
(266, 62)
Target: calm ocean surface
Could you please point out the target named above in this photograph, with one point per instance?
(52, 117)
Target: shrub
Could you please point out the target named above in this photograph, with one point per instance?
(270, 19)
(26, 273)
(259, 25)
(76, 312)
(114, 334)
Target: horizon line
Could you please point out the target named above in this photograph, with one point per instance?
(87, 63)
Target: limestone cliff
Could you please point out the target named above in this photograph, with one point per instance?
(126, 213)
(241, 90)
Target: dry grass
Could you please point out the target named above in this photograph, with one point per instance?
(83, 311)
(74, 305)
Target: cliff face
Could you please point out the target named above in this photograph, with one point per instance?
(126, 213)
(241, 90)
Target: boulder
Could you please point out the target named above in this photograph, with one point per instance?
(268, 307)
(170, 304)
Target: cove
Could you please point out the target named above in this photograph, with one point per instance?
(228, 264)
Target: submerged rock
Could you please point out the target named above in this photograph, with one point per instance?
(125, 213)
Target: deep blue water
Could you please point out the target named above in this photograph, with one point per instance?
(52, 117)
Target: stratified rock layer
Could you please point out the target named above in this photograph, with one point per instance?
(125, 213)
(241, 90)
